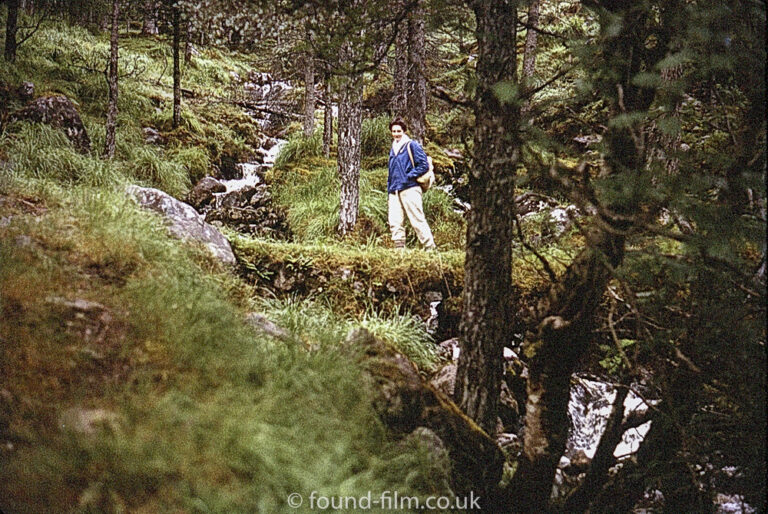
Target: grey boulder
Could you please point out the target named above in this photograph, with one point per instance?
(184, 221)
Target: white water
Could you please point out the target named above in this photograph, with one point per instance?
(589, 407)
(250, 170)
(250, 177)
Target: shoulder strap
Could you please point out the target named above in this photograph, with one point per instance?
(408, 147)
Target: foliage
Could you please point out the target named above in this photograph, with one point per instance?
(199, 396)
(375, 140)
(299, 147)
(198, 405)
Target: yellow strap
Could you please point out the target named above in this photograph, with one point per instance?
(408, 147)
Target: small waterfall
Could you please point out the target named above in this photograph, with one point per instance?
(589, 407)
(251, 170)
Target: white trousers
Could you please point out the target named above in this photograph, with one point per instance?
(408, 203)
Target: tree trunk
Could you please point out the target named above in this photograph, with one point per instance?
(529, 52)
(566, 314)
(328, 119)
(309, 95)
(399, 102)
(416, 96)
(188, 46)
(103, 20)
(662, 444)
(350, 128)
(149, 25)
(11, 27)
(486, 317)
(109, 144)
(176, 67)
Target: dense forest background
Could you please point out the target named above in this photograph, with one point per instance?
(600, 214)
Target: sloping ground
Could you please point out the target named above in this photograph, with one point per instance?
(128, 378)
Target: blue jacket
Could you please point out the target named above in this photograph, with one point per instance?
(402, 174)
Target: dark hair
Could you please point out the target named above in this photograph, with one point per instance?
(398, 121)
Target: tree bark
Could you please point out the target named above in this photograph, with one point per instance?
(112, 81)
(662, 444)
(530, 50)
(486, 317)
(149, 25)
(566, 314)
(416, 96)
(188, 46)
(103, 20)
(11, 27)
(176, 66)
(328, 118)
(309, 95)
(350, 129)
(399, 101)
(566, 322)
(405, 401)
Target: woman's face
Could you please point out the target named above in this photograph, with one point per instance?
(397, 132)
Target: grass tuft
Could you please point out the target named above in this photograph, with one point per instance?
(298, 147)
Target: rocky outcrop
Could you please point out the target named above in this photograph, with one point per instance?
(250, 211)
(152, 136)
(184, 221)
(405, 402)
(57, 111)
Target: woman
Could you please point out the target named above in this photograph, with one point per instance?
(407, 161)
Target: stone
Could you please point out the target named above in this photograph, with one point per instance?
(445, 379)
(260, 322)
(203, 192)
(450, 349)
(404, 402)
(88, 421)
(228, 168)
(152, 136)
(454, 153)
(26, 90)
(239, 197)
(88, 320)
(184, 221)
(59, 112)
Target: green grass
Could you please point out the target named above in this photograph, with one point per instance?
(69, 60)
(375, 139)
(206, 413)
(314, 323)
(309, 191)
(299, 147)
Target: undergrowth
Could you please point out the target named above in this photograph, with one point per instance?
(194, 409)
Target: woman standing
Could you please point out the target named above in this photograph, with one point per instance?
(407, 162)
